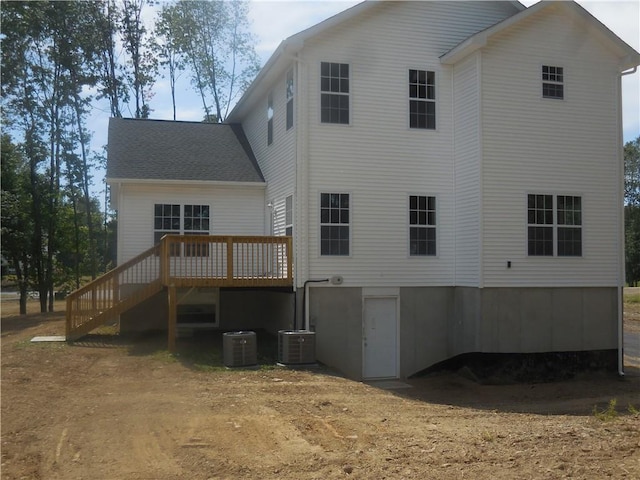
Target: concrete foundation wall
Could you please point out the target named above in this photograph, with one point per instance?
(253, 309)
(435, 323)
(335, 313)
(438, 323)
(528, 320)
(425, 315)
(239, 310)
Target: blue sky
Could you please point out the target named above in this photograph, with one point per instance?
(273, 21)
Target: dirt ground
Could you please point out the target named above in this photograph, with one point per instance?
(108, 408)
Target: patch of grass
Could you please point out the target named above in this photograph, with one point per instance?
(487, 436)
(607, 414)
(633, 410)
(201, 359)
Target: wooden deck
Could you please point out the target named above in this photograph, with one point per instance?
(180, 261)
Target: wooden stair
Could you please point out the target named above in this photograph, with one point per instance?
(180, 261)
(106, 297)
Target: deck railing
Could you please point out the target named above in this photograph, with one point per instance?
(180, 261)
(230, 261)
(114, 292)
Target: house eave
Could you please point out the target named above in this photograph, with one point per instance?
(629, 58)
(286, 53)
(191, 183)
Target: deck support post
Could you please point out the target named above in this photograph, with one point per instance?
(173, 317)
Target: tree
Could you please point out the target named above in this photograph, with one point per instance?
(141, 60)
(17, 223)
(214, 40)
(632, 210)
(167, 48)
(49, 57)
(632, 172)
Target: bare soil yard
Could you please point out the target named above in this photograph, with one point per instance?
(114, 408)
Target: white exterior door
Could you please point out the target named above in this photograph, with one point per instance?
(380, 337)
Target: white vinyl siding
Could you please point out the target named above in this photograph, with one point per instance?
(277, 161)
(531, 144)
(378, 159)
(234, 210)
(467, 152)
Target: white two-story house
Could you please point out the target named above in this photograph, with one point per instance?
(449, 173)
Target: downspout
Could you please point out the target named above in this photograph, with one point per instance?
(305, 301)
(621, 245)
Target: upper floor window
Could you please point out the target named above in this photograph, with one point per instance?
(270, 119)
(554, 225)
(289, 92)
(422, 99)
(552, 82)
(334, 224)
(422, 225)
(334, 93)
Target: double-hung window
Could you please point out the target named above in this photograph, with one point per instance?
(422, 225)
(554, 225)
(182, 220)
(289, 93)
(334, 223)
(166, 221)
(288, 216)
(196, 222)
(334, 93)
(270, 119)
(422, 99)
(552, 82)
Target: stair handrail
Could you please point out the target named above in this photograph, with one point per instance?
(76, 317)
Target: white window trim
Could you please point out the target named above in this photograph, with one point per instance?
(554, 196)
(320, 92)
(290, 225)
(408, 226)
(437, 79)
(563, 83)
(181, 231)
(320, 224)
(270, 122)
(290, 74)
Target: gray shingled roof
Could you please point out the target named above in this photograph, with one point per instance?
(166, 150)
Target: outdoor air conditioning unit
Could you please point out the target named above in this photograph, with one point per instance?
(239, 349)
(296, 347)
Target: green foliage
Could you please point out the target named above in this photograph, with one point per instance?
(632, 172)
(607, 414)
(213, 40)
(632, 211)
